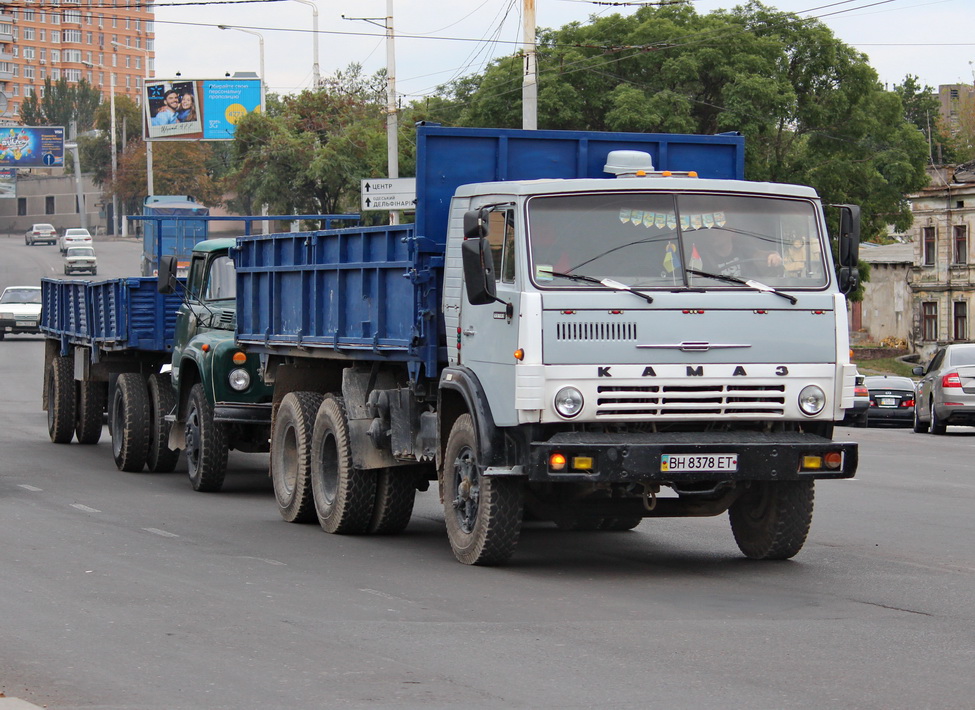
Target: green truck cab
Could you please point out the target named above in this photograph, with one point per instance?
(221, 401)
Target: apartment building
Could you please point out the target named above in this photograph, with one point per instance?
(108, 42)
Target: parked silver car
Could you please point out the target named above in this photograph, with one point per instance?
(946, 392)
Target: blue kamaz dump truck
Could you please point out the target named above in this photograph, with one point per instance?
(585, 328)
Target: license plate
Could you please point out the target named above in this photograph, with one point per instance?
(888, 402)
(26, 323)
(705, 463)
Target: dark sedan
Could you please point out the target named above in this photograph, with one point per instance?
(891, 400)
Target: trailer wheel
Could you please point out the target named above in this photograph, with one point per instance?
(395, 496)
(92, 398)
(61, 399)
(206, 444)
(771, 519)
(291, 436)
(344, 496)
(130, 422)
(162, 401)
(483, 515)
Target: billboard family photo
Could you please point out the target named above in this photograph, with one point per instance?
(172, 109)
(198, 109)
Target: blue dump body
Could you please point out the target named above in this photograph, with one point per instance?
(119, 314)
(374, 293)
(171, 237)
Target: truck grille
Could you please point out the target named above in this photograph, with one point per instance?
(683, 401)
(603, 332)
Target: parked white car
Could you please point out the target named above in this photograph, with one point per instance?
(41, 233)
(80, 259)
(20, 310)
(74, 237)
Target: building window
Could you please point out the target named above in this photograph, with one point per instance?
(960, 244)
(21, 206)
(28, 36)
(929, 320)
(961, 320)
(49, 204)
(928, 246)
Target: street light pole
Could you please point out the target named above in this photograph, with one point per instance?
(114, 156)
(260, 37)
(316, 79)
(149, 185)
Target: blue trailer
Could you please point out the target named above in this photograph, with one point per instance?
(107, 344)
(171, 237)
(560, 334)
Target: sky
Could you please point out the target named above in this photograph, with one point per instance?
(440, 40)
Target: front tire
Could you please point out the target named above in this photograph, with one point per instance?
(291, 437)
(61, 399)
(771, 519)
(130, 422)
(92, 398)
(482, 514)
(206, 444)
(919, 426)
(162, 401)
(344, 496)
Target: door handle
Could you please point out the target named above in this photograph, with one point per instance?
(469, 330)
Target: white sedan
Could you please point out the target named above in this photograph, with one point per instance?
(20, 310)
(74, 237)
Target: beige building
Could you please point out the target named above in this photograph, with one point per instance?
(942, 275)
(888, 305)
(107, 42)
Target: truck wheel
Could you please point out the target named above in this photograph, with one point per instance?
(771, 519)
(919, 426)
(344, 496)
(61, 399)
(291, 435)
(936, 426)
(162, 401)
(92, 398)
(130, 422)
(206, 444)
(395, 496)
(483, 515)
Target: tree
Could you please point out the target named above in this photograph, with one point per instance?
(95, 150)
(179, 168)
(308, 153)
(921, 107)
(60, 104)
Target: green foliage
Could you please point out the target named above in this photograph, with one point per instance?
(921, 108)
(61, 104)
(95, 150)
(308, 153)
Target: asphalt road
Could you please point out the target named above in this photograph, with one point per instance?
(130, 591)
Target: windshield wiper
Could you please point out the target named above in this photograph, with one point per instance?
(608, 283)
(757, 285)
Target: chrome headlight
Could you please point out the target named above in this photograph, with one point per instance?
(568, 402)
(812, 399)
(7, 316)
(240, 379)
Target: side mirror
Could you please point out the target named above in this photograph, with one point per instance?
(478, 270)
(918, 370)
(475, 225)
(166, 276)
(848, 247)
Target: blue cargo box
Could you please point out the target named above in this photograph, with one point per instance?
(343, 289)
(113, 315)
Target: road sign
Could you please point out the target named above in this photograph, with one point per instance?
(388, 194)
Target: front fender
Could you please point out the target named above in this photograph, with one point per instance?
(208, 359)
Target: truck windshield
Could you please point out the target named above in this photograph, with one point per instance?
(646, 240)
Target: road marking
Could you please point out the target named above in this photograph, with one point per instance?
(262, 559)
(161, 533)
(84, 508)
(30, 488)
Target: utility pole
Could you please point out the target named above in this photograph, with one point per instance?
(529, 85)
(392, 124)
(114, 157)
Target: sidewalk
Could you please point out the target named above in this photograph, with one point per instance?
(17, 704)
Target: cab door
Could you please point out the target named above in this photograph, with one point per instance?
(187, 320)
(488, 334)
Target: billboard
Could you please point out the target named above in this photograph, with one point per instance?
(8, 183)
(32, 147)
(198, 109)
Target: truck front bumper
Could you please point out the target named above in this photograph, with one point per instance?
(242, 413)
(687, 457)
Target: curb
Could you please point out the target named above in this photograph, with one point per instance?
(17, 704)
